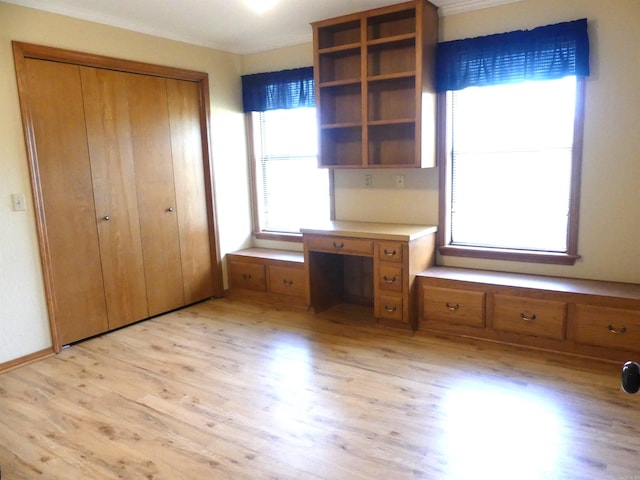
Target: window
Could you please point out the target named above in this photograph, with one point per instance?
(289, 188)
(511, 167)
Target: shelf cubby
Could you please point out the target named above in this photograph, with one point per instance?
(341, 147)
(339, 34)
(341, 104)
(391, 24)
(392, 99)
(341, 65)
(392, 57)
(392, 145)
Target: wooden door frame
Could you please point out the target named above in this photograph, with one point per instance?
(23, 51)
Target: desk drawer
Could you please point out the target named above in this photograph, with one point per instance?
(607, 327)
(542, 318)
(248, 276)
(287, 280)
(391, 251)
(390, 307)
(390, 277)
(342, 245)
(461, 307)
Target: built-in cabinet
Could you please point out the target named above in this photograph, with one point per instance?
(375, 92)
(584, 317)
(274, 276)
(122, 187)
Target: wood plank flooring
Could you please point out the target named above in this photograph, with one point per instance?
(227, 389)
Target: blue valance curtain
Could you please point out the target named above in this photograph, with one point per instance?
(544, 53)
(278, 90)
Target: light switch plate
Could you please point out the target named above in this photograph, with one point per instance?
(19, 202)
(368, 181)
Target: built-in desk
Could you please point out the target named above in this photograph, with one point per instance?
(368, 263)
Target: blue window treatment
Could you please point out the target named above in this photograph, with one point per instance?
(544, 53)
(278, 90)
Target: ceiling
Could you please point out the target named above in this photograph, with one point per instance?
(230, 25)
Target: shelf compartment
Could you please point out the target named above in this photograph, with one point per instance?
(392, 145)
(387, 58)
(392, 99)
(391, 24)
(340, 104)
(340, 65)
(341, 147)
(340, 34)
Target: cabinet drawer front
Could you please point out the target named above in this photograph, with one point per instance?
(462, 307)
(607, 327)
(343, 245)
(248, 276)
(389, 307)
(542, 318)
(390, 278)
(391, 251)
(286, 280)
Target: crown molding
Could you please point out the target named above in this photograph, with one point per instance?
(470, 5)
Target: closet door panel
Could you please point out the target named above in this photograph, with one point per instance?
(63, 175)
(191, 199)
(155, 191)
(114, 190)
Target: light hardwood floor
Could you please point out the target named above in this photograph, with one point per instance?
(231, 390)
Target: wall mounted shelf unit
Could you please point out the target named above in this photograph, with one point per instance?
(374, 77)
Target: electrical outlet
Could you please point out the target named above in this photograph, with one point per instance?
(399, 181)
(368, 181)
(19, 202)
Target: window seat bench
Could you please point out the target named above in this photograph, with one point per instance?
(269, 275)
(597, 319)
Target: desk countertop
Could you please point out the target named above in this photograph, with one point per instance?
(375, 231)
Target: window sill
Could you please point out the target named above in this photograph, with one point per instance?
(281, 237)
(509, 255)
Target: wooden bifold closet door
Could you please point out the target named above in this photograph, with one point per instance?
(106, 109)
(123, 191)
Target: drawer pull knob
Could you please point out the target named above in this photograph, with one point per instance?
(287, 283)
(246, 276)
(390, 280)
(528, 318)
(338, 246)
(390, 309)
(391, 253)
(452, 308)
(616, 332)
